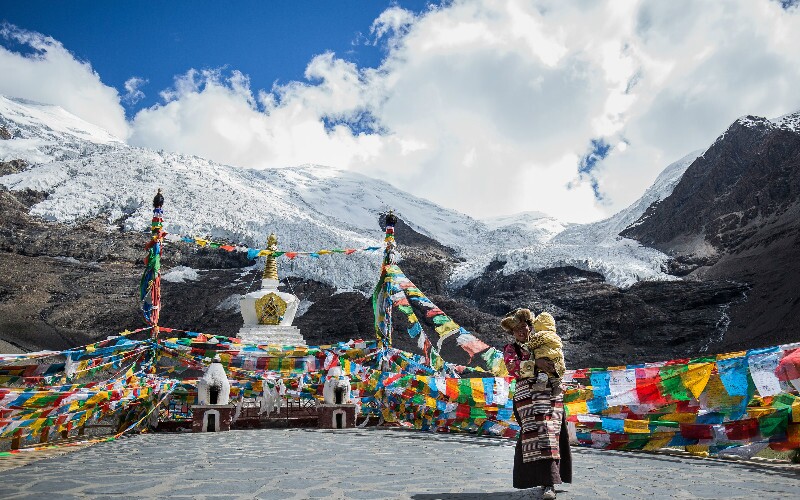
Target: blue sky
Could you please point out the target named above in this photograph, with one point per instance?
(270, 41)
(489, 107)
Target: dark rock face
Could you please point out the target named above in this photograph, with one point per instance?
(735, 215)
(602, 324)
(65, 286)
(12, 167)
(747, 177)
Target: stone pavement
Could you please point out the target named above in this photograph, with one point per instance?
(367, 464)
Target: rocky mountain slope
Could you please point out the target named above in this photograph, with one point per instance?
(734, 215)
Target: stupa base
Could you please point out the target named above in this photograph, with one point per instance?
(261, 334)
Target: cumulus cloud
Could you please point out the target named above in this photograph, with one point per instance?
(393, 22)
(41, 69)
(133, 92)
(217, 116)
(497, 107)
(492, 107)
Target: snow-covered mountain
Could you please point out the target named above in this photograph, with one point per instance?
(519, 227)
(596, 246)
(606, 232)
(88, 173)
(43, 132)
(789, 122)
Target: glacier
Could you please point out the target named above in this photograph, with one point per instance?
(89, 173)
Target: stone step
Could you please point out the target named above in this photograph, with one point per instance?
(271, 334)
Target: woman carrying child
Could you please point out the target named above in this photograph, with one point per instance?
(535, 359)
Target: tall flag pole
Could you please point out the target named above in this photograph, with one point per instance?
(381, 302)
(389, 256)
(150, 286)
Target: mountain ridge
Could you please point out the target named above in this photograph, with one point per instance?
(76, 221)
(734, 216)
(314, 206)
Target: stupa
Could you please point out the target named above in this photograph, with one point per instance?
(268, 313)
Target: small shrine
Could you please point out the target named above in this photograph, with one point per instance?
(268, 313)
(338, 410)
(213, 413)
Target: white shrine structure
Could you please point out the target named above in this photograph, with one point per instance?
(213, 411)
(268, 313)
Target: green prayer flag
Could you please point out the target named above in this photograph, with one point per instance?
(671, 382)
(475, 413)
(464, 391)
(440, 319)
(774, 424)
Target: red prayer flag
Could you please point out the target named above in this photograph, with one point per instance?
(741, 430)
(789, 366)
(696, 431)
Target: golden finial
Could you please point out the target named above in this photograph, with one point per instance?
(271, 267)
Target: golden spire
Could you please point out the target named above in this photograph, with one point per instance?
(271, 267)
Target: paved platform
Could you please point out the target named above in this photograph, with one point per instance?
(367, 464)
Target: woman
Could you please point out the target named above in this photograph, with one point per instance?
(542, 456)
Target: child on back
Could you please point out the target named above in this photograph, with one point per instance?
(544, 342)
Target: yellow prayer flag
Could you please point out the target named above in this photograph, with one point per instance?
(717, 396)
(684, 418)
(577, 408)
(754, 412)
(499, 368)
(696, 377)
(636, 426)
(447, 329)
(83, 419)
(729, 355)
(657, 443)
(796, 411)
(476, 384)
(37, 424)
(700, 450)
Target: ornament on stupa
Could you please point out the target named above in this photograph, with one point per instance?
(268, 313)
(271, 266)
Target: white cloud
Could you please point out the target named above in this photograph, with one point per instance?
(394, 22)
(43, 70)
(488, 106)
(133, 93)
(218, 117)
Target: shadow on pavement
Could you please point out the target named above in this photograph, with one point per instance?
(465, 496)
(784, 470)
(533, 493)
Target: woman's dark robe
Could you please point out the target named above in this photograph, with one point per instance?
(544, 471)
